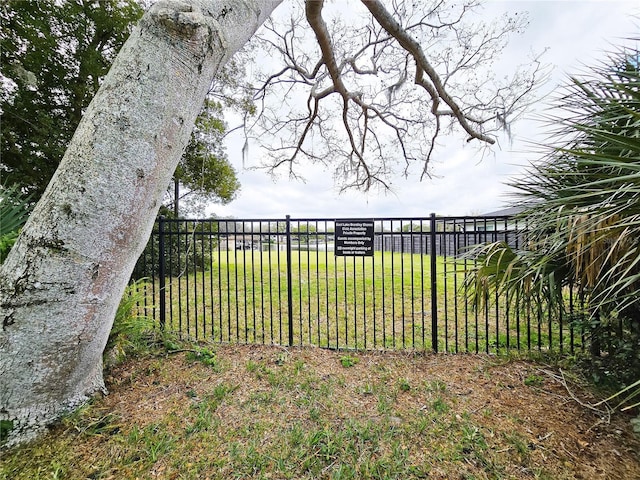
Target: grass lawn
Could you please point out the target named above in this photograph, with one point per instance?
(384, 301)
(264, 412)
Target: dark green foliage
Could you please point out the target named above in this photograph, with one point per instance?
(54, 55)
(581, 206)
(5, 428)
(203, 355)
(188, 248)
(131, 328)
(204, 170)
(13, 214)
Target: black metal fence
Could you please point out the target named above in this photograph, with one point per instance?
(280, 281)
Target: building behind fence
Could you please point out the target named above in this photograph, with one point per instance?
(279, 281)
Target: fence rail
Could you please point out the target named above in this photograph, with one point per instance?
(281, 281)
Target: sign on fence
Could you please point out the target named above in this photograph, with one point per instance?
(354, 238)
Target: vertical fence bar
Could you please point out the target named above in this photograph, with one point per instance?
(443, 252)
(422, 252)
(393, 285)
(301, 235)
(382, 267)
(226, 242)
(184, 274)
(194, 241)
(178, 270)
(364, 302)
(434, 283)
(261, 270)
(456, 250)
(289, 282)
(326, 277)
(161, 273)
(210, 242)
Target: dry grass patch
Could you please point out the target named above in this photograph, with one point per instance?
(267, 412)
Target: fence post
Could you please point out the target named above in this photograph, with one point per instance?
(434, 283)
(289, 282)
(162, 272)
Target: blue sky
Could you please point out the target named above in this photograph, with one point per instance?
(576, 33)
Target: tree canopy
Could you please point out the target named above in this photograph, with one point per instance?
(54, 57)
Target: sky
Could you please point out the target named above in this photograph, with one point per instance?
(575, 34)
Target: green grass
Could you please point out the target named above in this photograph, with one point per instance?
(303, 415)
(379, 302)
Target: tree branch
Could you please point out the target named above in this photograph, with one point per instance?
(395, 30)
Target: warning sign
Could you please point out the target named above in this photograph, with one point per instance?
(354, 238)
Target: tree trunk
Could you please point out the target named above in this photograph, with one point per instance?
(63, 280)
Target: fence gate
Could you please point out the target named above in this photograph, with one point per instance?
(384, 283)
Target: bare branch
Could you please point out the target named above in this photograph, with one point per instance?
(348, 101)
(413, 47)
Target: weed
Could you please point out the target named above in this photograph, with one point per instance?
(252, 366)
(385, 402)
(314, 414)
(404, 385)
(108, 424)
(130, 330)
(206, 408)
(298, 366)
(534, 380)
(435, 386)
(205, 356)
(472, 439)
(281, 359)
(520, 445)
(57, 471)
(170, 343)
(260, 370)
(440, 406)
(348, 361)
(157, 442)
(367, 389)
(5, 428)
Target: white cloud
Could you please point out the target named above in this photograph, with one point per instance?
(576, 34)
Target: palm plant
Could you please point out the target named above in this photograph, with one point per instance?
(14, 210)
(581, 205)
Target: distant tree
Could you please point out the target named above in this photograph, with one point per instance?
(303, 232)
(304, 228)
(204, 174)
(423, 226)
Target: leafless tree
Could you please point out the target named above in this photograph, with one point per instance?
(370, 87)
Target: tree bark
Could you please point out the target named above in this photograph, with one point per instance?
(63, 280)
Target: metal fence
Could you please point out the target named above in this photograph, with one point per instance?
(282, 281)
